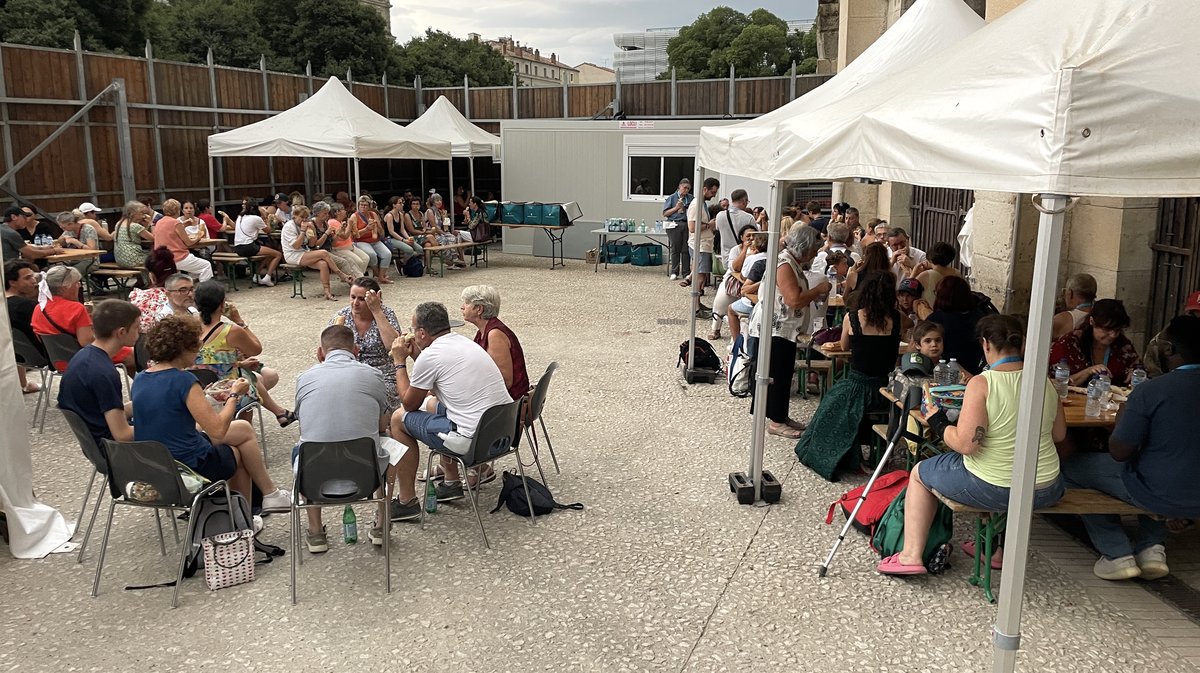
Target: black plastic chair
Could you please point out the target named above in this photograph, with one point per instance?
(59, 348)
(495, 437)
(32, 359)
(150, 467)
(339, 473)
(537, 403)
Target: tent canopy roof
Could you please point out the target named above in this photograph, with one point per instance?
(443, 121)
(331, 123)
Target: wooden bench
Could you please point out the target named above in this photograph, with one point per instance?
(429, 250)
(229, 261)
(122, 277)
(988, 525)
(804, 366)
(297, 273)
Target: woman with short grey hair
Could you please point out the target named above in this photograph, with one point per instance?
(481, 308)
(792, 322)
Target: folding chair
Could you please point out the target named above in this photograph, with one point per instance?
(495, 437)
(150, 466)
(536, 403)
(59, 348)
(29, 357)
(339, 473)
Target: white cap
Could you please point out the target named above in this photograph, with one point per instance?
(88, 207)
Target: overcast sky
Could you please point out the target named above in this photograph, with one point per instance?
(576, 30)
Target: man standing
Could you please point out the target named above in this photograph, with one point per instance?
(675, 210)
(904, 257)
(699, 220)
(91, 387)
(17, 220)
(1078, 297)
(341, 399)
(20, 294)
(464, 381)
(819, 222)
(1151, 462)
(731, 221)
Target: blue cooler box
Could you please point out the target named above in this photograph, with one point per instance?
(533, 213)
(512, 213)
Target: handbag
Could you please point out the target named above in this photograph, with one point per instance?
(733, 286)
(228, 559)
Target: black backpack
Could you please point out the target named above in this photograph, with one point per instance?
(984, 305)
(414, 267)
(706, 356)
(512, 495)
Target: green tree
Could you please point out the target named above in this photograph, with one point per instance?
(185, 30)
(756, 45)
(115, 26)
(802, 48)
(43, 23)
(335, 35)
(442, 60)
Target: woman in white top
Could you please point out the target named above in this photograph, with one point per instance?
(299, 238)
(437, 220)
(246, 231)
(734, 266)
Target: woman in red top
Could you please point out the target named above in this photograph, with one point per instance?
(368, 229)
(1098, 346)
(60, 312)
(172, 234)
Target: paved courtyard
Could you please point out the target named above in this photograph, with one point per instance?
(662, 571)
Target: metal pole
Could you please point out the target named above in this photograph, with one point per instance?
(618, 106)
(319, 161)
(566, 102)
(471, 167)
(694, 304)
(349, 81)
(81, 75)
(158, 153)
(466, 98)
(124, 142)
(211, 189)
(448, 200)
(266, 89)
(1006, 634)
(758, 434)
(5, 128)
(674, 94)
(349, 180)
(387, 112)
(514, 97)
(792, 83)
(357, 181)
(216, 128)
(732, 87)
(419, 98)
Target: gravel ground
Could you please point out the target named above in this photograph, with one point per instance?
(662, 572)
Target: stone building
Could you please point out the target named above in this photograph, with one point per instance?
(531, 67)
(590, 73)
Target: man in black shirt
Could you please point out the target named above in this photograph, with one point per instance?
(20, 294)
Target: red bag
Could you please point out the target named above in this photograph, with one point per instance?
(883, 492)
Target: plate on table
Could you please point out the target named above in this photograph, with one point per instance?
(948, 397)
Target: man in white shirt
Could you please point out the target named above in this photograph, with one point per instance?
(731, 220)
(698, 218)
(904, 257)
(453, 381)
(837, 238)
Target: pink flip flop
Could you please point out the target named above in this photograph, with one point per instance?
(968, 548)
(892, 566)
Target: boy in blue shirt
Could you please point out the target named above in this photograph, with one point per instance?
(92, 387)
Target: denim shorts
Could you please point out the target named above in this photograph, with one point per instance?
(424, 426)
(742, 306)
(947, 475)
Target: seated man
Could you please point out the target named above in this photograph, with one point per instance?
(1153, 359)
(91, 386)
(1151, 461)
(20, 294)
(465, 380)
(1078, 297)
(341, 399)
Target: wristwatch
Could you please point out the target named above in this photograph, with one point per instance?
(402, 366)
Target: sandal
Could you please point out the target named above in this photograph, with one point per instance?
(685, 283)
(438, 475)
(385, 281)
(892, 566)
(286, 418)
(480, 476)
(793, 423)
(714, 336)
(968, 548)
(329, 295)
(783, 430)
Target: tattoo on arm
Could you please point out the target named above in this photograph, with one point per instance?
(977, 438)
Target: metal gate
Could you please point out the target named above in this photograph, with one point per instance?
(937, 215)
(1176, 260)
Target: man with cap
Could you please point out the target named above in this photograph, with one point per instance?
(283, 208)
(17, 220)
(1153, 359)
(89, 213)
(906, 298)
(1078, 297)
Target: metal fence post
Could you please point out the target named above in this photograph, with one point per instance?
(792, 83)
(125, 143)
(81, 75)
(514, 96)
(618, 106)
(466, 98)
(566, 102)
(674, 94)
(5, 128)
(215, 102)
(349, 81)
(152, 85)
(732, 88)
(419, 98)
(266, 88)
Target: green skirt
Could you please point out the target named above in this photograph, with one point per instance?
(831, 440)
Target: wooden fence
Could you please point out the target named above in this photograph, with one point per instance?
(174, 107)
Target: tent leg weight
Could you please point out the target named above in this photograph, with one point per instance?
(771, 490)
(743, 487)
(700, 376)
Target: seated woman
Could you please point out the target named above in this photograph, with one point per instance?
(130, 231)
(153, 301)
(247, 230)
(978, 469)
(59, 311)
(401, 240)
(230, 349)
(436, 222)
(935, 267)
(752, 269)
(1100, 346)
(168, 404)
(957, 310)
(871, 333)
(368, 235)
(301, 246)
(77, 235)
(874, 258)
(172, 234)
(416, 226)
(339, 238)
(475, 220)
(734, 265)
(375, 328)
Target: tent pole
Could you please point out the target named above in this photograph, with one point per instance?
(471, 169)
(422, 194)
(758, 434)
(357, 182)
(349, 179)
(694, 305)
(1006, 634)
(448, 200)
(212, 191)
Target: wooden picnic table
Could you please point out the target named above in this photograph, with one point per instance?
(74, 255)
(1073, 409)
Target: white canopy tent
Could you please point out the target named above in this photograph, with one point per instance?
(443, 121)
(331, 123)
(749, 149)
(1057, 99)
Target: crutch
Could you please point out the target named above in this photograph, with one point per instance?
(913, 398)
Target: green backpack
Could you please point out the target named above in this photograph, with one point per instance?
(889, 534)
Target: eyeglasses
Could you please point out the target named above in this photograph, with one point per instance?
(183, 290)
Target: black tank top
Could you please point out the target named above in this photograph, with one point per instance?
(874, 354)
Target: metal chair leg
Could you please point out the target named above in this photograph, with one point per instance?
(175, 526)
(473, 496)
(525, 484)
(162, 543)
(92, 521)
(550, 446)
(41, 397)
(425, 495)
(86, 496)
(49, 388)
(531, 435)
(295, 542)
(262, 435)
(387, 540)
(103, 548)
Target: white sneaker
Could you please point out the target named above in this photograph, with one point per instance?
(279, 501)
(674, 276)
(1123, 568)
(1153, 562)
(257, 524)
(265, 281)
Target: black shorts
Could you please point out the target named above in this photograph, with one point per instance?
(219, 463)
(247, 249)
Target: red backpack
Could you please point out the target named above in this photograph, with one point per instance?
(883, 492)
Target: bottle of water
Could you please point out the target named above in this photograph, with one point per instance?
(1062, 378)
(953, 372)
(349, 526)
(1092, 408)
(1105, 391)
(939, 373)
(1138, 377)
(642, 226)
(430, 496)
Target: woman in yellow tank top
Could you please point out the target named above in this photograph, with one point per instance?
(978, 469)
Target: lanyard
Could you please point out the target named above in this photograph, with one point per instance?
(1005, 360)
(1083, 306)
(1183, 368)
(1107, 354)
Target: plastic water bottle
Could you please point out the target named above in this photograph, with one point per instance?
(1092, 408)
(642, 227)
(1105, 391)
(349, 526)
(939, 373)
(1062, 378)
(430, 496)
(1138, 377)
(953, 372)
